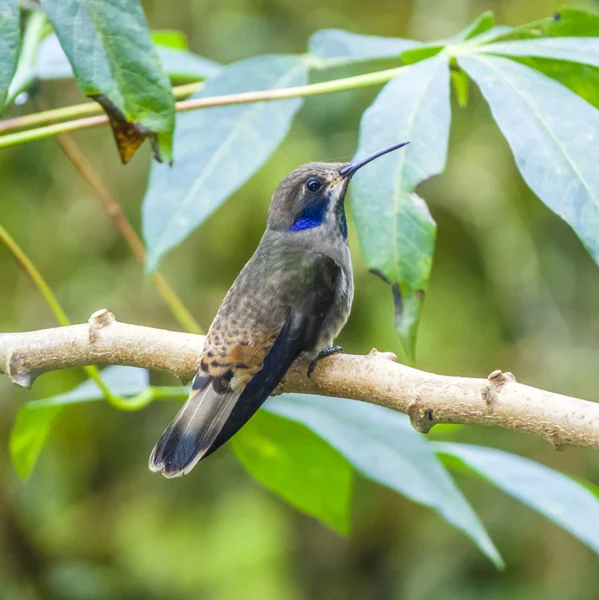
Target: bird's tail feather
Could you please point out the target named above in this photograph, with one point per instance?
(193, 431)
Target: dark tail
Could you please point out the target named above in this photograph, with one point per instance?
(193, 431)
(214, 413)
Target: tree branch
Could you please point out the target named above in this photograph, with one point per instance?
(426, 397)
(301, 91)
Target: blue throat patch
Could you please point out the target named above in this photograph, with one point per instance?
(314, 214)
(304, 223)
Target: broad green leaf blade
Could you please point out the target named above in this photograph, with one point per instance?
(396, 231)
(382, 445)
(420, 53)
(182, 65)
(34, 420)
(218, 149)
(52, 62)
(582, 79)
(567, 22)
(112, 54)
(334, 47)
(571, 61)
(9, 45)
(484, 25)
(560, 498)
(481, 24)
(573, 22)
(299, 466)
(553, 134)
(170, 38)
(578, 50)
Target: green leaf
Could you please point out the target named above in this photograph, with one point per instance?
(9, 45)
(186, 66)
(578, 50)
(583, 80)
(52, 63)
(481, 25)
(569, 21)
(299, 466)
(420, 53)
(382, 445)
(334, 47)
(112, 54)
(170, 38)
(396, 231)
(556, 496)
(218, 149)
(552, 133)
(571, 61)
(34, 420)
(461, 85)
(33, 33)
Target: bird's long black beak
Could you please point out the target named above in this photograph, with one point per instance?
(353, 166)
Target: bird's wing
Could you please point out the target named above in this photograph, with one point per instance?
(242, 363)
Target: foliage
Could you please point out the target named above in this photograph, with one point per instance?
(306, 449)
(9, 44)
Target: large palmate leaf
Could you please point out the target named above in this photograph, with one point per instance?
(567, 22)
(559, 497)
(574, 62)
(218, 149)
(52, 62)
(396, 231)
(382, 445)
(112, 54)
(482, 24)
(550, 131)
(299, 466)
(35, 419)
(578, 50)
(334, 47)
(9, 45)
(482, 27)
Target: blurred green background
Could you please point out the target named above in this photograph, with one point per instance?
(512, 288)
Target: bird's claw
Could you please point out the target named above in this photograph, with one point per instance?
(323, 354)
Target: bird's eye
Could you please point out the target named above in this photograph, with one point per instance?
(313, 184)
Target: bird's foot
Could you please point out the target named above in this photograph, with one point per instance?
(323, 354)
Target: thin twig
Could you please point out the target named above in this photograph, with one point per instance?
(121, 223)
(51, 300)
(427, 398)
(335, 85)
(65, 113)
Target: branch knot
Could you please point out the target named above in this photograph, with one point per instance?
(422, 419)
(99, 320)
(497, 379)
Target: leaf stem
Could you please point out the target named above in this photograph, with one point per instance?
(33, 35)
(78, 110)
(325, 87)
(121, 223)
(44, 289)
(35, 275)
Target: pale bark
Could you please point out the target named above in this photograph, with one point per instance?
(426, 397)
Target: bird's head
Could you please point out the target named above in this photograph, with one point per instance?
(313, 195)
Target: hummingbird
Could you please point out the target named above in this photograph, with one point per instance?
(290, 300)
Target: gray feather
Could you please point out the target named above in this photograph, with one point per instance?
(193, 430)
